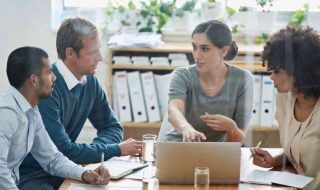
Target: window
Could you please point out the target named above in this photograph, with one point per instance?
(95, 9)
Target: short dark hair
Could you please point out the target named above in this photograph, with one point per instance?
(219, 35)
(22, 63)
(71, 33)
(297, 51)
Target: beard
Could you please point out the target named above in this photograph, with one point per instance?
(45, 93)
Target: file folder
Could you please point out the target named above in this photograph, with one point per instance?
(150, 96)
(255, 119)
(124, 108)
(114, 97)
(136, 97)
(162, 86)
(266, 112)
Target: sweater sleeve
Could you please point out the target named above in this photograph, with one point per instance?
(104, 120)
(244, 103)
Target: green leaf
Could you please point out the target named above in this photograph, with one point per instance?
(230, 11)
(234, 29)
(131, 5)
(146, 29)
(121, 8)
(306, 6)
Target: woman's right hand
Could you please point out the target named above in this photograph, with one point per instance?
(262, 158)
(191, 135)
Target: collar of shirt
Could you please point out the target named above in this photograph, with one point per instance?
(20, 99)
(68, 76)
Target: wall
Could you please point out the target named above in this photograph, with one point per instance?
(28, 23)
(24, 23)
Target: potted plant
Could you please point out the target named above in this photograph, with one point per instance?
(156, 15)
(119, 17)
(182, 16)
(299, 16)
(246, 18)
(212, 9)
(265, 18)
(265, 4)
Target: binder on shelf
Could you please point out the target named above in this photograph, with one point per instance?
(266, 117)
(114, 97)
(136, 97)
(140, 60)
(175, 56)
(124, 108)
(179, 63)
(178, 59)
(150, 96)
(159, 61)
(121, 60)
(255, 119)
(162, 86)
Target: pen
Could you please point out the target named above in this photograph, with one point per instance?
(101, 167)
(258, 145)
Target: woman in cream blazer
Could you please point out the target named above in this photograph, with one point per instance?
(293, 56)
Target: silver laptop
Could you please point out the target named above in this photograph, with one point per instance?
(176, 161)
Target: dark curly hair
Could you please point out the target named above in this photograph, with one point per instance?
(297, 51)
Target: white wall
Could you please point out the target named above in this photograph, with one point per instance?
(24, 23)
(28, 23)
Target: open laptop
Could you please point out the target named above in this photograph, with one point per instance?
(176, 161)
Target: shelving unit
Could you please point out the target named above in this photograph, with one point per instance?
(248, 57)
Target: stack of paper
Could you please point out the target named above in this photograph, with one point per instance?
(136, 39)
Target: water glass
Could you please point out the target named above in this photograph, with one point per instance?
(201, 178)
(150, 178)
(148, 149)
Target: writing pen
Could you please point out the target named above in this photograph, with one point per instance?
(101, 167)
(258, 145)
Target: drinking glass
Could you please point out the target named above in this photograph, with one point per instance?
(148, 149)
(201, 178)
(150, 178)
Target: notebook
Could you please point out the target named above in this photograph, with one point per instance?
(277, 177)
(118, 167)
(176, 161)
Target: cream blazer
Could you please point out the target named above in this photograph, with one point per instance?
(300, 140)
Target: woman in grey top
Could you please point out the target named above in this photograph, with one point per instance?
(210, 100)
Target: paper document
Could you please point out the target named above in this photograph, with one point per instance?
(277, 177)
(75, 186)
(118, 168)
